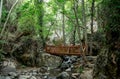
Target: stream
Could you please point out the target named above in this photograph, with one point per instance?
(71, 67)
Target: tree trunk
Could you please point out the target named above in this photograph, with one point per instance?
(41, 23)
(92, 16)
(1, 4)
(84, 24)
(63, 26)
(39, 7)
(98, 17)
(78, 25)
(78, 30)
(73, 35)
(108, 62)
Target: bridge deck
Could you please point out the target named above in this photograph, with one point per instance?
(63, 50)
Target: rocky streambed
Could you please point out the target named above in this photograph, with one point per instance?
(67, 67)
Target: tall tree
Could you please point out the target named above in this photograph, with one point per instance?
(40, 13)
(73, 35)
(92, 16)
(77, 22)
(63, 21)
(40, 10)
(108, 62)
(78, 29)
(84, 24)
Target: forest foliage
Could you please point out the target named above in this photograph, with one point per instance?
(46, 20)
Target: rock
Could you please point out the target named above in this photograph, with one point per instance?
(9, 63)
(91, 59)
(87, 74)
(33, 77)
(13, 74)
(3, 77)
(102, 76)
(24, 77)
(74, 59)
(68, 62)
(7, 70)
(75, 75)
(89, 65)
(8, 77)
(54, 72)
(51, 60)
(47, 73)
(52, 78)
(101, 64)
(65, 65)
(38, 77)
(70, 59)
(68, 70)
(43, 69)
(63, 75)
(34, 73)
(45, 77)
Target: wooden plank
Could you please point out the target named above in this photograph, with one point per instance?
(63, 50)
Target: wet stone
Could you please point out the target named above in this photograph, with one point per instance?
(63, 75)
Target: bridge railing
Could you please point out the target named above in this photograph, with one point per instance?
(63, 50)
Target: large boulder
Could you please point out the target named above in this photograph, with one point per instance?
(26, 51)
(9, 63)
(8, 66)
(51, 61)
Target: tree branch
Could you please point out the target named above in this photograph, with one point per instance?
(8, 16)
(1, 3)
(73, 21)
(52, 23)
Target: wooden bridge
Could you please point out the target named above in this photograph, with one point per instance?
(64, 50)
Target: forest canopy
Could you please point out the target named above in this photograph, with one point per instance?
(88, 27)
